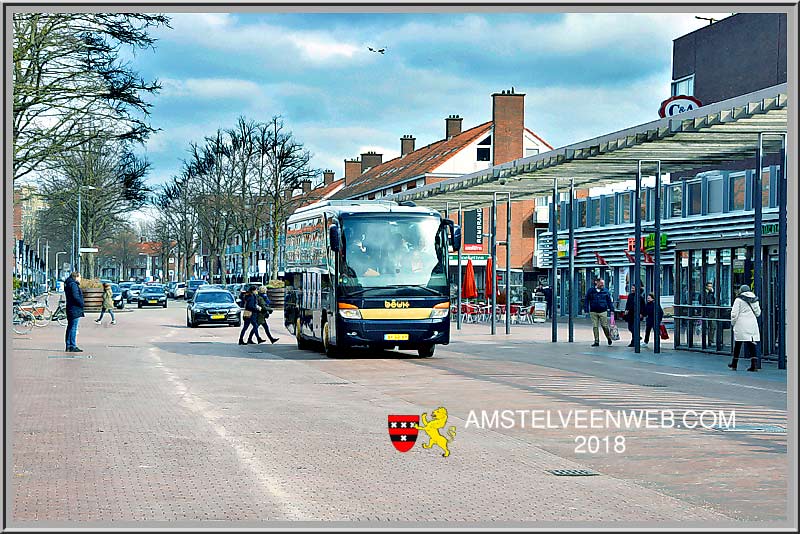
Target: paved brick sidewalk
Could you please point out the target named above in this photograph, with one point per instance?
(157, 422)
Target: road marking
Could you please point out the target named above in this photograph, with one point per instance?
(675, 374)
(751, 387)
(290, 504)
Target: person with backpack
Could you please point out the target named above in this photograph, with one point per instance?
(108, 304)
(744, 321)
(263, 314)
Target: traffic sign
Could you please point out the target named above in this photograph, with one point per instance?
(89, 249)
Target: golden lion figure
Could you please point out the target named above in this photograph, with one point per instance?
(433, 426)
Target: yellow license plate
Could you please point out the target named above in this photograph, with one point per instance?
(395, 337)
(218, 316)
(153, 301)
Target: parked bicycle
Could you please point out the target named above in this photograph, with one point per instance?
(22, 320)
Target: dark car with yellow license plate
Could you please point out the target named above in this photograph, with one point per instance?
(152, 295)
(213, 306)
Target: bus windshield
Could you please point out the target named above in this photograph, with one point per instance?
(404, 255)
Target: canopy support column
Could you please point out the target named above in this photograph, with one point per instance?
(782, 192)
(507, 244)
(756, 200)
(459, 282)
(571, 281)
(637, 265)
(657, 252)
(554, 262)
(493, 248)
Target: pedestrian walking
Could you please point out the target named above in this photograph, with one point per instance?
(250, 317)
(653, 314)
(598, 305)
(630, 310)
(108, 305)
(744, 320)
(74, 307)
(262, 300)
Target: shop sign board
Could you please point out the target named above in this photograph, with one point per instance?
(769, 229)
(472, 230)
(563, 246)
(678, 104)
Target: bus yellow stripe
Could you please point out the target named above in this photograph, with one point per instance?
(399, 313)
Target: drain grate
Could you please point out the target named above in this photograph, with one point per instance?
(572, 472)
(763, 429)
(654, 385)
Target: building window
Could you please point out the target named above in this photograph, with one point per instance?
(580, 221)
(694, 190)
(675, 201)
(411, 185)
(397, 189)
(766, 188)
(608, 210)
(531, 152)
(484, 154)
(625, 207)
(683, 86)
(714, 194)
(594, 209)
(736, 192)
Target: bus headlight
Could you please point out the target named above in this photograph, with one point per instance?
(440, 311)
(349, 311)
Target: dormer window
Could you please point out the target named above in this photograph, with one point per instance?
(484, 152)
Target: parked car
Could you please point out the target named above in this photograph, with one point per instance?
(116, 294)
(213, 306)
(133, 292)
(153, 295)
(191, 287)
(125, 286)
(176, 289)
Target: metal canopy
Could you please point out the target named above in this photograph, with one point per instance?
(722, 132)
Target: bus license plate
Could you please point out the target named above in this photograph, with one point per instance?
(395, 337)
(218, 316)
(153, 301)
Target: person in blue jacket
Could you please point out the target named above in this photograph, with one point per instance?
(598, 304)
(250, 305)
(74, 301)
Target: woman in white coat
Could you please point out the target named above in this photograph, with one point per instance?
(744, 320)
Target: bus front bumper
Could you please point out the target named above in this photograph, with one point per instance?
(391, 333)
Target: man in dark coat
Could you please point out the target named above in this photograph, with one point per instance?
(598, 305)
(250, 305)
(74, 298)
(630, 310)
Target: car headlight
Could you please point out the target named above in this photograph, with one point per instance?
(440, 311)
(349, 311)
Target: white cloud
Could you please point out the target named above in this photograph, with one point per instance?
(210, 88)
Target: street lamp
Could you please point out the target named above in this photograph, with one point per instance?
(78, 261)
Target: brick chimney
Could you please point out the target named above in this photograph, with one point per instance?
(327, 176)
(352, 170)
(508, 119)
(370, 159)
(287, 195)
(406, 145)
(306, 186)
(453, 125)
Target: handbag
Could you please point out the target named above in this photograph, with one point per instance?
(662, 330)
(612, 329)
(247, 314)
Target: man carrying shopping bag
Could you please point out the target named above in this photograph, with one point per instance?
(598, 304)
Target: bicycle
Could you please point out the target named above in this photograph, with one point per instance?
(60, 313)
(22, 320)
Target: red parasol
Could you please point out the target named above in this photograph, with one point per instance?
(489, 278)
(468, 288)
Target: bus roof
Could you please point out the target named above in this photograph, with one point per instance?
(358, 206)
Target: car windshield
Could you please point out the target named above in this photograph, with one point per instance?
(384, 256)
(206, 297)
(136, 286)
(196, 283)
(125, 285)
(155, 290)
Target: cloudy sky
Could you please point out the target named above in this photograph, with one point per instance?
(584, 75)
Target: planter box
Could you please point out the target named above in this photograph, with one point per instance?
(276, 295)
(92, 299)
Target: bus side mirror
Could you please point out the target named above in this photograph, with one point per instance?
(455, 234)
(334, 237)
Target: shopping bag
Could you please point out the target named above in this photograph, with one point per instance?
(663, 332)
(612, 329)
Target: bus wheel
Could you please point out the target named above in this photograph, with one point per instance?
(302, 344)
(330, 350)
(426, 351)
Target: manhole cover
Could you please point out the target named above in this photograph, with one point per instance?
(78, 357)
(764, 429)
(572, 472)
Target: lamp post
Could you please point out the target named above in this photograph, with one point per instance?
(78, 262)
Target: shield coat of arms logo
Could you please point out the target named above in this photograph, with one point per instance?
(403, 431)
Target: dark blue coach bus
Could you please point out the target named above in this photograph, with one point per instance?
(368, 274)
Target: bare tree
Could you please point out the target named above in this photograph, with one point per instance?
(175, 205)
(69, 78)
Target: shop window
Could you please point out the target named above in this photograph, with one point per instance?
(580, 221)
(736, 192)
(608, 210)
(714, 195)
(694, 191)
(766, 188)
(676, 201)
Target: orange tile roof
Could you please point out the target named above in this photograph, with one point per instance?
(421, 161)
